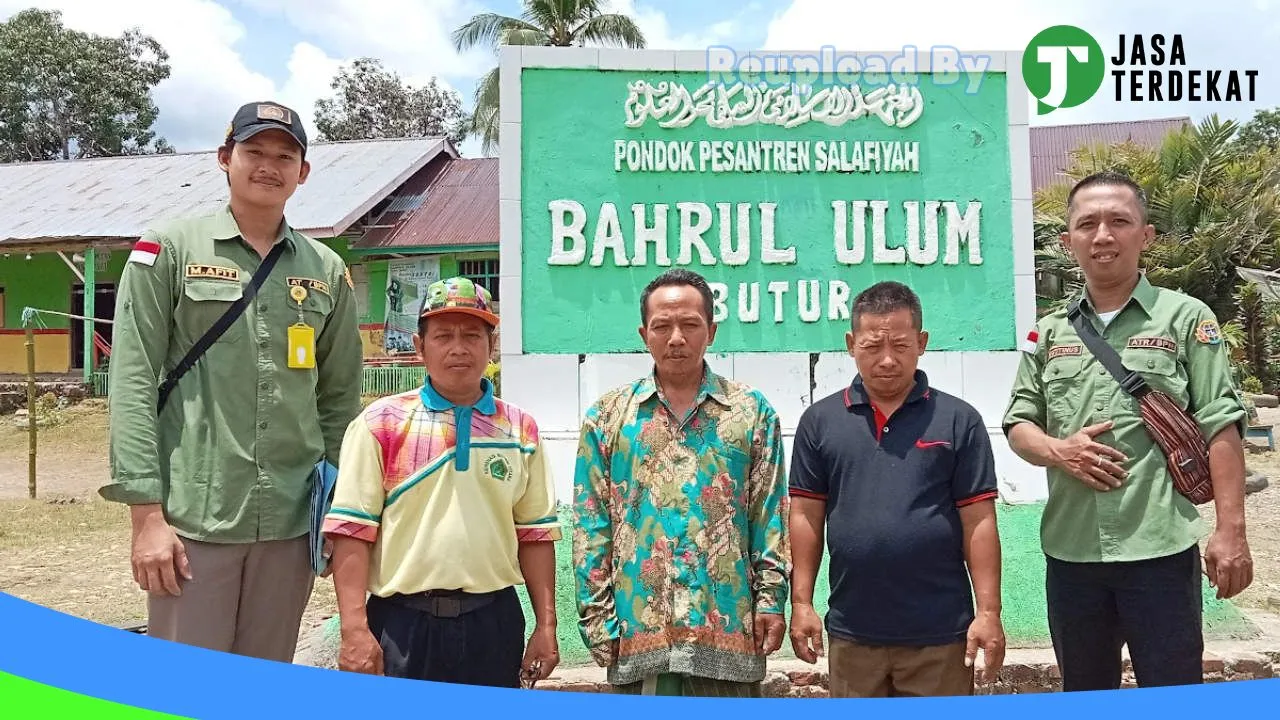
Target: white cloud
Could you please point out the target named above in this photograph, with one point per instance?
(873, 27)
(413, 37)
(310, 72)
(657, 30)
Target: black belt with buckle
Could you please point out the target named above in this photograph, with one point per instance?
(446, 603)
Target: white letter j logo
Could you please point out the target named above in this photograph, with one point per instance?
(1056, 58)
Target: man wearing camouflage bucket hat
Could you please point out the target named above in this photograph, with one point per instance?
(445, 502)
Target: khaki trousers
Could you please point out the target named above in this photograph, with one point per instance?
(857, 670)
(245, 599)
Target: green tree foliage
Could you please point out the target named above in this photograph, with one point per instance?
(67, 94)
(370, 102)
(560, 23)
(1263, 131)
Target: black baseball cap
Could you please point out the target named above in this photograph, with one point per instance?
(252, 118)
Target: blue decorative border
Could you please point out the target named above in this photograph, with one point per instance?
(105, 663)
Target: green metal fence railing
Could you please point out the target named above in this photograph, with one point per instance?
(389, 380)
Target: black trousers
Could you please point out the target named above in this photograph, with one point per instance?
(1154, 606)
(451, 637)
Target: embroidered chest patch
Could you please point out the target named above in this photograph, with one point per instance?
(1058, 351)
(212, 272)
(310, 284)
(1152, 343)
(497, 467)
(1208, 333)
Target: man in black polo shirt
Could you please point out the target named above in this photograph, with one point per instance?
(901, 478)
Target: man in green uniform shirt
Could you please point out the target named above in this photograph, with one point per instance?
(1121, 544)
(217, 476)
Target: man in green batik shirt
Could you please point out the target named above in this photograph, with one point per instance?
(1121, 544)
(680, 497)
(217, 481)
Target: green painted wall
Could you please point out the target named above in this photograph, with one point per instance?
(963, 156)
(376, 272)
(45, 282)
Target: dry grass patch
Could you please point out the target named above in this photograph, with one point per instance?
(72, 556)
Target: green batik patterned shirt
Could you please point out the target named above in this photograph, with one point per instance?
(681, 531)
(1174, 342)
(230, 455)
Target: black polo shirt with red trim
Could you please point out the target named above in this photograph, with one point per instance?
(893, 488)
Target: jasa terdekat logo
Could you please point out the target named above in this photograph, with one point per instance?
(1064, 66)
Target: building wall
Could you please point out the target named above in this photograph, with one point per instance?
(46, 283)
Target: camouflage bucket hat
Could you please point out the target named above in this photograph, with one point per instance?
(459, 295)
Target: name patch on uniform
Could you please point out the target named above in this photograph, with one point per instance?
(310, 284)
(1065, 351)
(1153, 343)
(212, 272)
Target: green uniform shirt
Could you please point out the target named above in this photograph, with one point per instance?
(1174, 342)
(230, 455)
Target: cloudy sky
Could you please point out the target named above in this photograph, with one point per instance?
(227, 52)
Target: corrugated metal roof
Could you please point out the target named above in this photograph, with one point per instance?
(1052, 145)
(460, 209)
(121, 197)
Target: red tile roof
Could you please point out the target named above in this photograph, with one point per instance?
(1051, 145)
(457, 207)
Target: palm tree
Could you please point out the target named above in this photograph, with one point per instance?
(560, 23)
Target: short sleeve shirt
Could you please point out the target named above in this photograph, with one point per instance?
(893, 488)
(446, 494)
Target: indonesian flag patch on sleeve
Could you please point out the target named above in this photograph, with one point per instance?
(1029, 345)
(145, 252)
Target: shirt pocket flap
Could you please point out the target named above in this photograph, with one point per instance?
(213, 290)
(1149, 361)
(1063, 368)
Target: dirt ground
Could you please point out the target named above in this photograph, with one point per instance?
(69, 550)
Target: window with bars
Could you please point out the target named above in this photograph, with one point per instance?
(484, 272)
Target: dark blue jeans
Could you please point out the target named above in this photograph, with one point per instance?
(1154, 606)
(482, 646)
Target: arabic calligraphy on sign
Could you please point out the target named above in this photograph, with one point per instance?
(672, 105)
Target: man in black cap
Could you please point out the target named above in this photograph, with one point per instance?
(214, 436)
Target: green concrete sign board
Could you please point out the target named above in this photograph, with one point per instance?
(788, 199)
